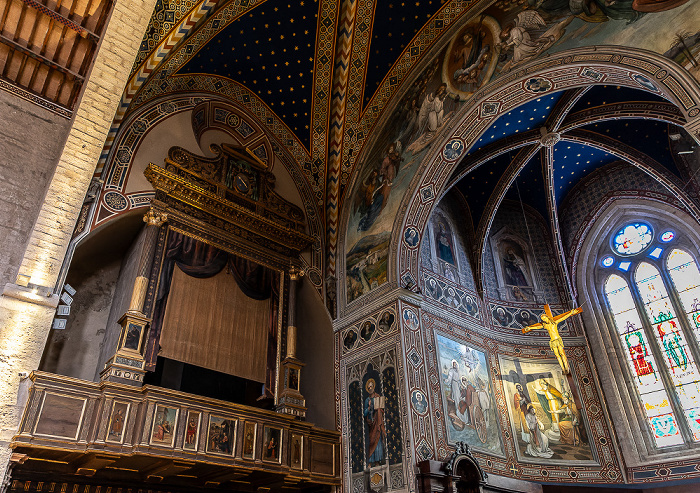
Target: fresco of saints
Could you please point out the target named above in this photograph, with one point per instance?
(374, 418)
(538, 444)
(444, 244)
(514, 269)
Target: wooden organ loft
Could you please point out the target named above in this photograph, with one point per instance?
(216, 230)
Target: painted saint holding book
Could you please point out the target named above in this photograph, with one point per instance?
(374, 417)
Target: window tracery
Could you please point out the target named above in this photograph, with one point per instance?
(649, 280)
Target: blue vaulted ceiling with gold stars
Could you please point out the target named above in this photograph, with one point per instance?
(588, 141)
(321, 78)
(270, 51)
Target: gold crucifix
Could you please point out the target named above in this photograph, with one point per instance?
(550, 324)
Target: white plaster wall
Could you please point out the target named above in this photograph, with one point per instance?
(177, 131)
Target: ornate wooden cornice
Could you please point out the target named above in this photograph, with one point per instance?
(201, 194)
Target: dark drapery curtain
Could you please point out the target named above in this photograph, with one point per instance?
(197, 259)
(255, 280)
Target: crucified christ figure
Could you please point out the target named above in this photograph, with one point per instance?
(550, 323)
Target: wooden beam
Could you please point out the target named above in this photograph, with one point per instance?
(18, 47)
(61, 19)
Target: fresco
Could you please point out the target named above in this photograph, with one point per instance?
(471, 416)
(506, 35)
(546, 424)
(423, 112)
(375, 420)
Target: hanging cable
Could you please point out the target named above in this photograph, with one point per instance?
(529, 236)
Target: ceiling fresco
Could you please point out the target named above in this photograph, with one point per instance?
(325, 77)
(270, 51)
(295, 43)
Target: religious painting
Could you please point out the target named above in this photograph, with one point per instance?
(366, 265)
(221, 435)
(192, 430)
(132, 340)
(296, 451)
(249, 439)
(164, 424)
(272, 444)
(367, 330)
(419, 402)
(517, 276)
(467, 399)
(117, 422)
(472, 56)
(449, 271)
(547, 425)
(410, 319)
(386, 321)
(375, 416)
(350, 339)
(387, 169)
(294, 378)
(444, 241)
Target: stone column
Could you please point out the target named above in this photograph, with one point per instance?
(127, 365)
(291, 401)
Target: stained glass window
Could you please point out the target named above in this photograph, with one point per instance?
(632, 239)
(608, 261)
(686, 279)
(672, 342)
(660, 416)
(667, 236)
(656, 252)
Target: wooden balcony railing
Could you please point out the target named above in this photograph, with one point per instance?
(117, 434)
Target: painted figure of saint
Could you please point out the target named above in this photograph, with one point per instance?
(520, 402)
(538, 445)
(118, 423)
(374, 417)
(514, 269)
(430, 116)
(569, 421)
(551, 400)
(459, 395)
(271, 449)
(191, 430)
(484, 398)
(444, 243)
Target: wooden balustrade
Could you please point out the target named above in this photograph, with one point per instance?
(113, 433)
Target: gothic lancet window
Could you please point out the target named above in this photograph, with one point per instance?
(652, 288)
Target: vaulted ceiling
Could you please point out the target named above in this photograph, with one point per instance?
(593, 127)
(321, 77)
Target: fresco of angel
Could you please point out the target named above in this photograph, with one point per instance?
(520, 36)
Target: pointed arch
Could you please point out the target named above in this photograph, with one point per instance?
(566, 69)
